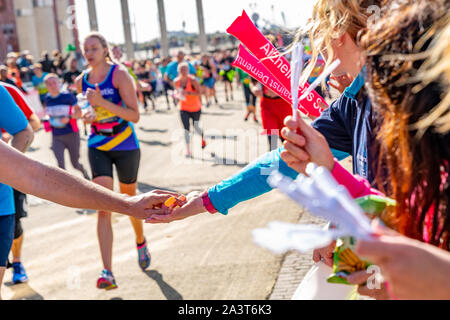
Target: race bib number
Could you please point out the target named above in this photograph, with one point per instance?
(42, 88)
(104, 115)
(59, 122)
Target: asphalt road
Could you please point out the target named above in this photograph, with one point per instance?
(204, 257)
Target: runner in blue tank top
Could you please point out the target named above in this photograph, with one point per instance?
(112, 94)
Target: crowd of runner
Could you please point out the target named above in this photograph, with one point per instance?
(392, 117)
(66, 85)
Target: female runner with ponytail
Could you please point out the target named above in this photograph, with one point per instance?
(112, 94)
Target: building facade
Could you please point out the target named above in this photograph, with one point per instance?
(43, 25)
(8, 30)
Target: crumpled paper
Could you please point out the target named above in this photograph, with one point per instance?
(323, 197)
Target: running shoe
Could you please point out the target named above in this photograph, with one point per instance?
(106, 280)
(19, 274)
(144, 256)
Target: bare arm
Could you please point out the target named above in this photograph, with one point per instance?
(213, 67)
(411, 267)
(78, 83)
(59, 186)
(35, 123)
(23, 139)
(77, 112)
(52, 183)
(197, 88)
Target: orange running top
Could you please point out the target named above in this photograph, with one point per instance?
(191, 103)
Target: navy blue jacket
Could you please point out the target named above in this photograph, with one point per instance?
(348, 126)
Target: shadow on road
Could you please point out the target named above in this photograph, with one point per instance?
(86, 212)
(207, 113)
(23, 291)
(163, 111)
(222, 137)
(150, 112)
(153, 130)
(31, 149)
(227, 162)
(143, 187)
(169, 292)
(155, 143)
(228, 106)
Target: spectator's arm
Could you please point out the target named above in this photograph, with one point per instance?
(58, 185)
(15, 123)
(34, 122)
(23, 139)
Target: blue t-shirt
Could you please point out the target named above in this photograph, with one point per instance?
(39, 83)
(58, 108)
(172, 70)
(12, 121)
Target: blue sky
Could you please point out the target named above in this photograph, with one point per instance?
(218, 15)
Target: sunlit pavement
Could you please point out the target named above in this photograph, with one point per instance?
(204, 257)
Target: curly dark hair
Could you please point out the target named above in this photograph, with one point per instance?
(416, 166)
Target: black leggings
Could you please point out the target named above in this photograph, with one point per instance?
(250, 98)
(167, 87)
(147, 95)
(71, 142)
(185, 119)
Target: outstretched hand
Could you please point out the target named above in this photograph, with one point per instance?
(409, 266)
(193, 206)
(304, 144)
(145, 205)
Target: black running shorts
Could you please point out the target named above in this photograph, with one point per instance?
(21, 204)
(126, 162)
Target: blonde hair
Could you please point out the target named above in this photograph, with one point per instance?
(51, 76)
(331, 19)
(437, 68)
(103, 43)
